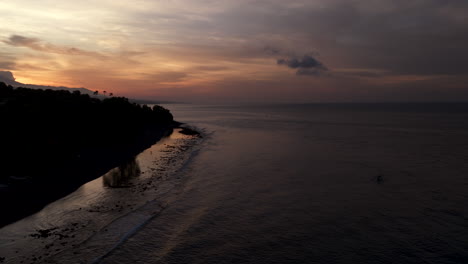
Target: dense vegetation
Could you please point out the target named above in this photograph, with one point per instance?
(50, 139)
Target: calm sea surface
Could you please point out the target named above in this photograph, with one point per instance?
(316, 184)
(276, 184)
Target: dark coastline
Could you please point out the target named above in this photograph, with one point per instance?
(55, 141)
(25, 197)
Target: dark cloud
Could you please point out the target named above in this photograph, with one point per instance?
(17, 40)
(306, 61)
(420, 37)
(307, 65)
(39, 45)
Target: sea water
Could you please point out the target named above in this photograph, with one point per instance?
(318, 183)
(368, 183)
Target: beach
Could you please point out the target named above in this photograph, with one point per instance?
(279, 184)
(101, 211)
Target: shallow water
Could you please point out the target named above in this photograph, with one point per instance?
(89, 222)
(304, 184)
(316, 184)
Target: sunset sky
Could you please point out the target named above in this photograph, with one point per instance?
(242, 50)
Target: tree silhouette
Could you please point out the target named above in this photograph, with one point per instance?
(66, 123)
(68, 141)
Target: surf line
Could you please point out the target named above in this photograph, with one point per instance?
(128, 235)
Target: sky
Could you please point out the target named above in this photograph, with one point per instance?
(242, 50)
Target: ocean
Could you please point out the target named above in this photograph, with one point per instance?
(311, 183)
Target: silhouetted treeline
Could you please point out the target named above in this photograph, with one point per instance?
(50, 139)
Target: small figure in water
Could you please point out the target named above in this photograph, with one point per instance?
(379, 178)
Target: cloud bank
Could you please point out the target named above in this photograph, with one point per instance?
(185, 50)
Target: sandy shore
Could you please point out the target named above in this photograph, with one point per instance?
(24, 196)
(85, 225)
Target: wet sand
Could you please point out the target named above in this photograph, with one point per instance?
(24, 195)
(86, 225)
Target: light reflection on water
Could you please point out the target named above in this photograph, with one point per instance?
(306, 184)
(301, 185)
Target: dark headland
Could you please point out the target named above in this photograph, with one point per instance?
(53, 141)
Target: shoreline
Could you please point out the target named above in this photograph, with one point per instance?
(53, 141)
(23, 197)
(97, 216)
